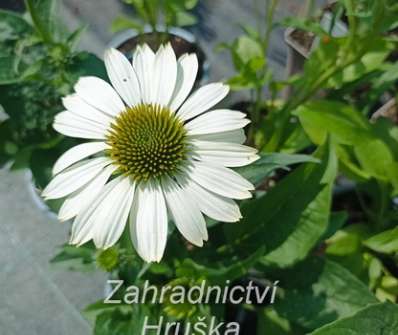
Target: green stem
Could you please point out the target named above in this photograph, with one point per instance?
(364, 206)
(276, 141)
(37, 22)
(384, 200)
(151, 15)
(352, 20)
(270, 19)
(257, 94)
(310, 8)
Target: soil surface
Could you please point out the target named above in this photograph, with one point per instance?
(303, 38)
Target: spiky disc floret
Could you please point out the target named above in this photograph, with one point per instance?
(147, 141)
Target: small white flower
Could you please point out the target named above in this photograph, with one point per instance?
(155, 151)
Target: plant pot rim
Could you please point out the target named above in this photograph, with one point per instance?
(384, 110)
(127, 34)
(339, 29)
(36, 198)
(291, 42)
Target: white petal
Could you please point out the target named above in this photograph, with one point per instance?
(186, 75)
(74, 120)
(74, 178)
(148, 222)
(143, 63)
(76, 105)
(165, 75)
(70, 124)
(225, 154)
(123, 78)
(105, 219)
(78, 132)
(83, 197)
(217, 121)
(202, 100)
(232, 136)
(112, 213)
(78, 153)
(185, 212)
(220, 180)
(99, 94)
(213, 205)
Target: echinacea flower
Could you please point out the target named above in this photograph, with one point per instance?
(154, 153)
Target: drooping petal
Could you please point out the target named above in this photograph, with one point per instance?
(225, 154)
(185, 212)
(202, 100)
(213, 205)
(74, 178)
(232, 136)
(187, 70)
(99, 94)
(143, 63)
(164, 75)
(220, 180)
(71, 125)
(105, 219)
(76, 105)
(83, 197)
(148, 222)
(123, 77)
(217, 121)
(77, 153)
(112, 213)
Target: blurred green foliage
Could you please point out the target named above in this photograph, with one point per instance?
(39, 64)
(156, 13)
(323, 221)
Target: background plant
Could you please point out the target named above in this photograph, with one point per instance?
(154, 13)
(39, 64)
(249, 54)
(323, 221)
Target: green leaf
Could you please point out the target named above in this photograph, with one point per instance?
(304, 24)
(8, 71)
(319, 291)
(184, 19)
(337, 221)
(124, 22)
(291, 218)
(248, 49)
(76, 258)
(190, 4)
(374, 150)
(270, 322)
(93, 310)
(42, 13)
(12, 25)
(22, 159)
(268, 163)
(377, 319)
(74, 38)
(345, 247)
(385, 242)
(218, 273)
(322, 117)
(377, 52)
(87, 64)
(122, 320)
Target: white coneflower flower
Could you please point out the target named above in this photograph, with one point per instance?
(154, 152)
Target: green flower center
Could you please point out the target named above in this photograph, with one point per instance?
(147, 141)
